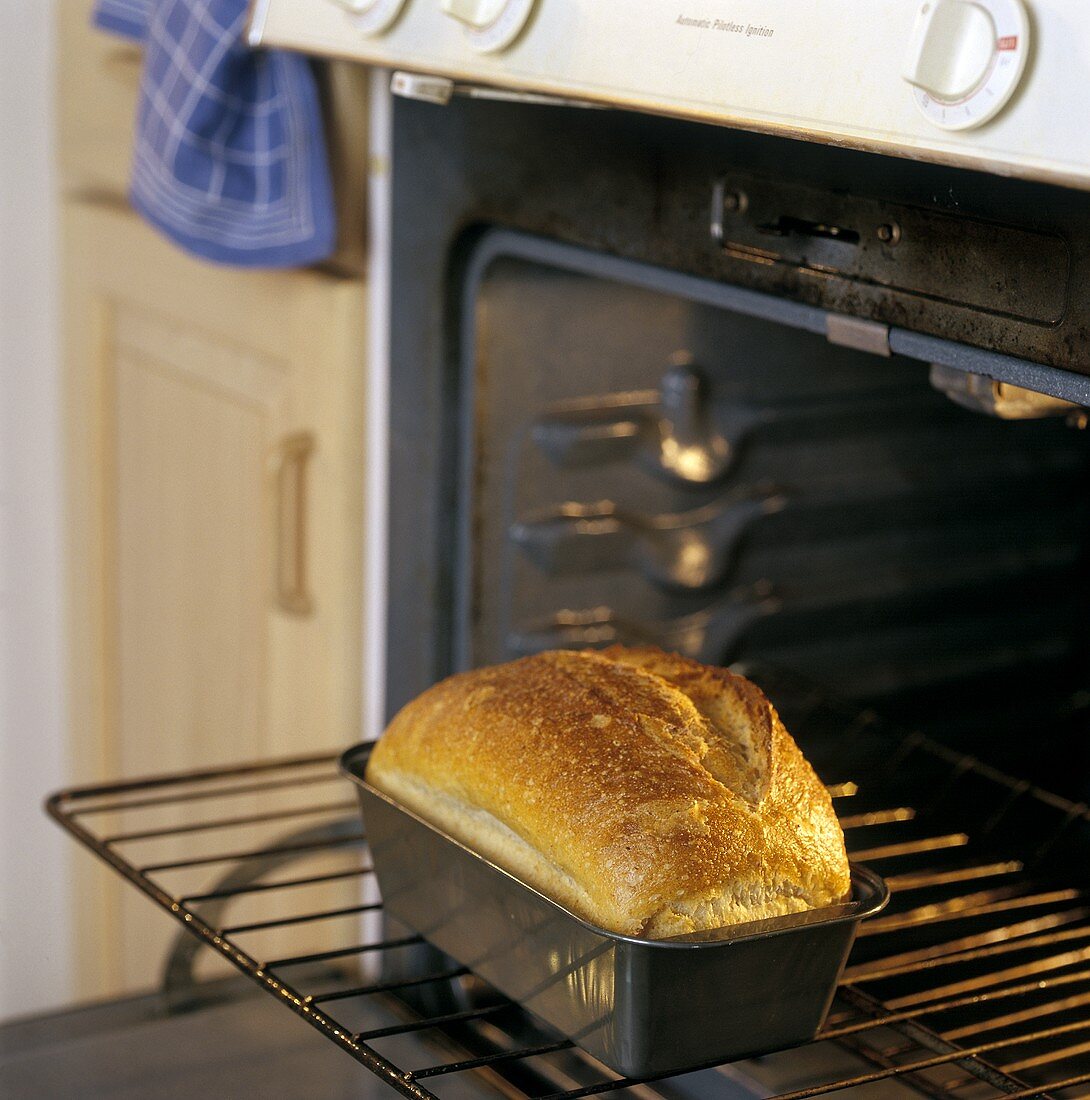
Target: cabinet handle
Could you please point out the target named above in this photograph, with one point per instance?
(291, 524)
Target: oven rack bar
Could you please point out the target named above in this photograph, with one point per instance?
(976, 985)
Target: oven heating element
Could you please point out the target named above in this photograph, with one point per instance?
(974, 983)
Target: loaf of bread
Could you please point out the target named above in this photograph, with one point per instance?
(649, 794)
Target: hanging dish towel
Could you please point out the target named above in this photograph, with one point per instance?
(230, 160)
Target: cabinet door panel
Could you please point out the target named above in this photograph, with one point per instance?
(190, 547)
(183, 384)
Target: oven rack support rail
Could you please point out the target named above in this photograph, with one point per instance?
(981, 993)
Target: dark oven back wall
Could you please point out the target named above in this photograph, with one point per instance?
(589, 450)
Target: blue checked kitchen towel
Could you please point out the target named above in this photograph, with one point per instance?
(230, 160)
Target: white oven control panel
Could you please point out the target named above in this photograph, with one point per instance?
(991, 84)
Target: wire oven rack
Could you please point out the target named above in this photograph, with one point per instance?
(974, 983)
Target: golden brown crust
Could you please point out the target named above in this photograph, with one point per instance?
(649, 793)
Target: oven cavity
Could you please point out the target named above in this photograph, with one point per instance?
(651, 469)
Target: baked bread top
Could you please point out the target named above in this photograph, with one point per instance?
(647, 793)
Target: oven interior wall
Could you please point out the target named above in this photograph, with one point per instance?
(577, 457)
(646, 468)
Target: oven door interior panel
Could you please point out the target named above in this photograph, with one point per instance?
(651, 461)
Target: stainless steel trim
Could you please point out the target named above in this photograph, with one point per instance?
(858, 333)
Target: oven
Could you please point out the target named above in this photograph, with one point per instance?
(760, 335)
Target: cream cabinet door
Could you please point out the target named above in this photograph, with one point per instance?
(215, 486)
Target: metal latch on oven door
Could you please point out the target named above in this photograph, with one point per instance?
(850, 253)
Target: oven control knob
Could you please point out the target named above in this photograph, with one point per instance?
(490, 24)
(966, 58)
(372, 16)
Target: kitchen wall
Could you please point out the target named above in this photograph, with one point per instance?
(35, 961)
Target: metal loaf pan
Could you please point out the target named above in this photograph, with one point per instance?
(643, 1007)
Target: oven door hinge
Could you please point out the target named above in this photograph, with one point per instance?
(440, 89)
(857, 333)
